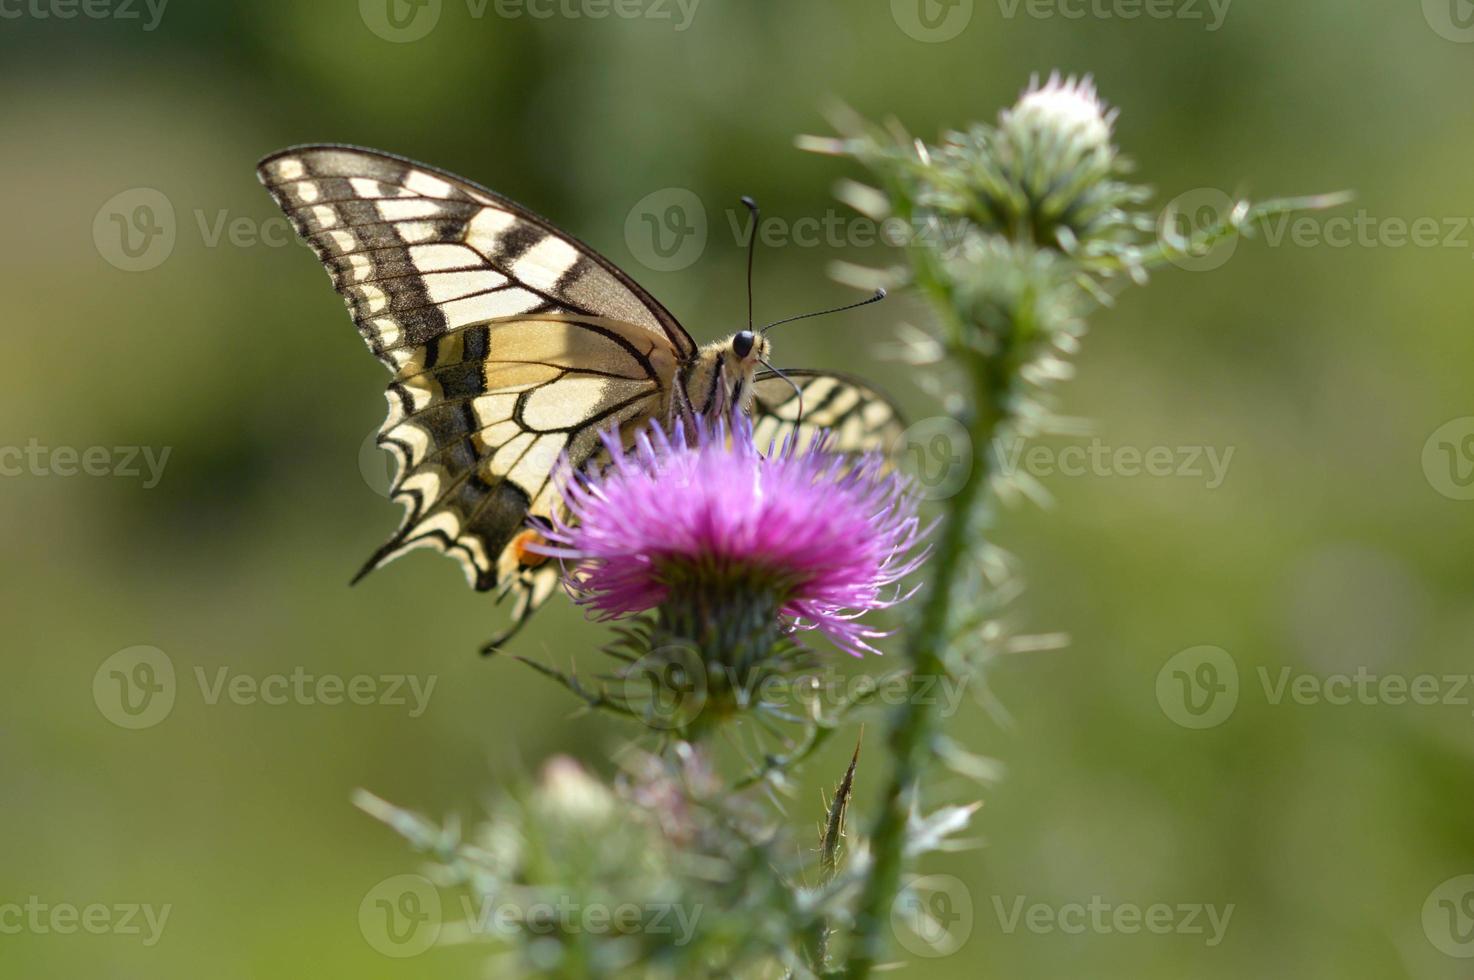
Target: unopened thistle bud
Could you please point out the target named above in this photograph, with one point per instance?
(1067, 110)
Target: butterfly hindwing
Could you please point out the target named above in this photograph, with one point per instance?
(476, 460)
(478, 419)
(859, 418)
(510, 343)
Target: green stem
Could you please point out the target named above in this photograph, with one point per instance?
(914, 723)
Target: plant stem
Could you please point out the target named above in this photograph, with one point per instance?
(914, 723)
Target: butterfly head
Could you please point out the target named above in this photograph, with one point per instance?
(740, 356)
(748, 348)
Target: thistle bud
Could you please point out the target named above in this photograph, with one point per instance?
(1067, 110)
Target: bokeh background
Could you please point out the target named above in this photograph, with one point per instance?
(153, 299)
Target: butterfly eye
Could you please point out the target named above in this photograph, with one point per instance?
(742, 343)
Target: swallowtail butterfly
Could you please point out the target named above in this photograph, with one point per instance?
(512, 343)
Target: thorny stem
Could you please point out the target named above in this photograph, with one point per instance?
(914, 724)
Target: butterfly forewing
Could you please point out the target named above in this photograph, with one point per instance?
(510, 343)
(417, 252)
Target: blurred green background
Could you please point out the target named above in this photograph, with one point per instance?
(1338, 539)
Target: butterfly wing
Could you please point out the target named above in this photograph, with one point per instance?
(510, 342)
(417, 251)
(858, 416)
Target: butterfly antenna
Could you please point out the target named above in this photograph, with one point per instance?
(751, 241)
(799, 420)
(879, 295)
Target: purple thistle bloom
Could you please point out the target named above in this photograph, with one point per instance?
(815, 537)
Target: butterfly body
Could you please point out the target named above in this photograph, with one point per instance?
(720, 377)
(512, 345)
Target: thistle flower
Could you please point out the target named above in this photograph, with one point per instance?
(734, 548)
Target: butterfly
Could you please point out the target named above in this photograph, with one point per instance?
(513, 344)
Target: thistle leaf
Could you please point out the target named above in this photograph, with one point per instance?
(833, 837)
(934, 832)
